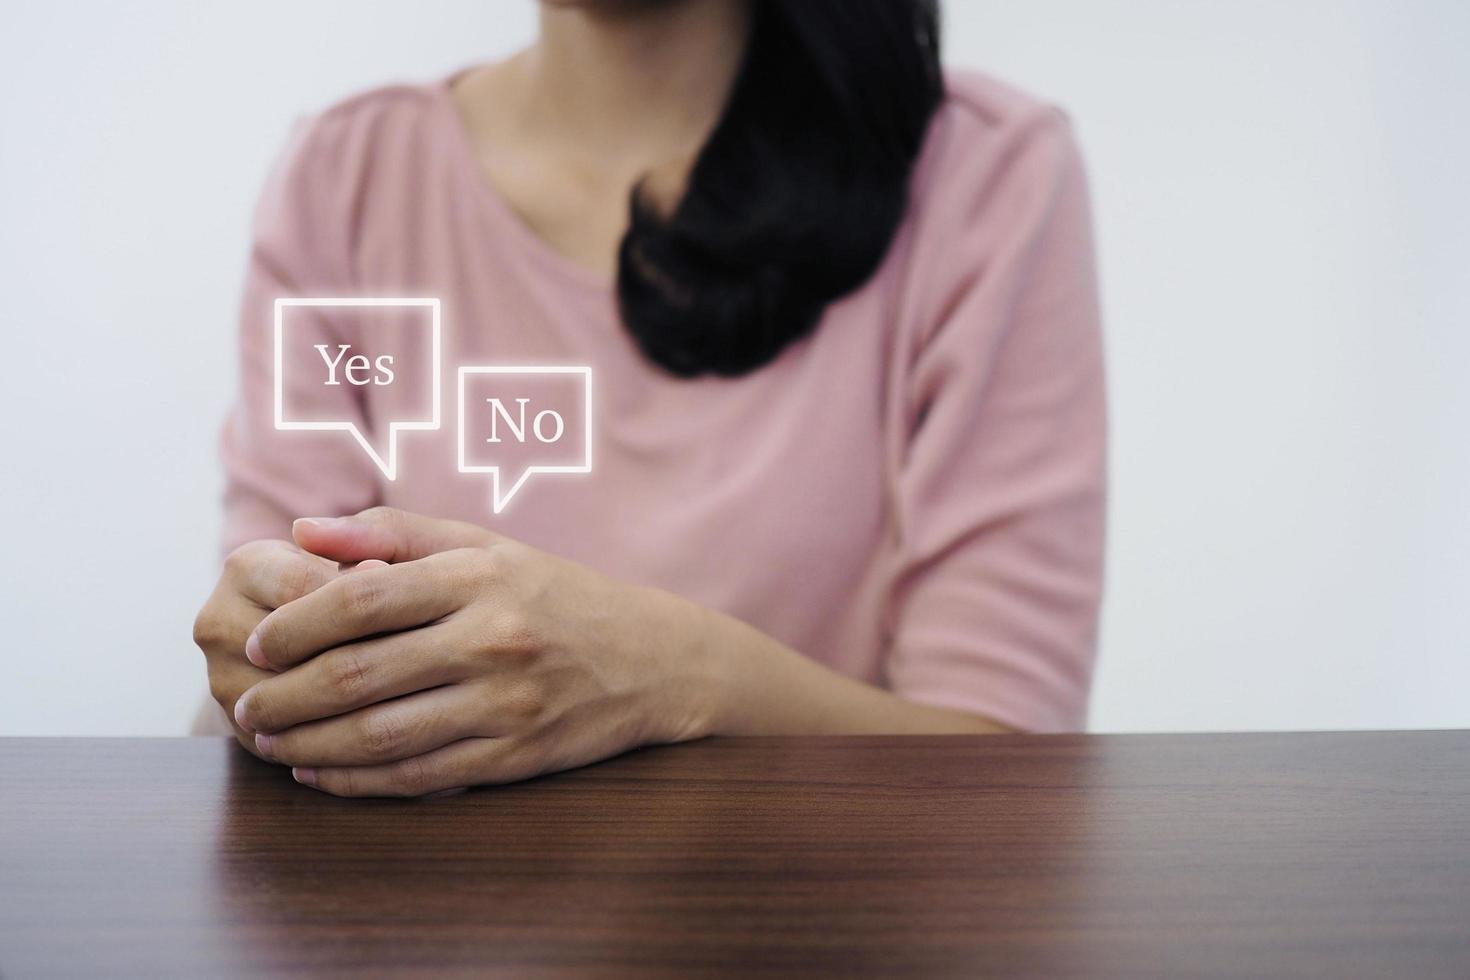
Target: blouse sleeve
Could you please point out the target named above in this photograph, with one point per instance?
(1001, 486)
(300, 247)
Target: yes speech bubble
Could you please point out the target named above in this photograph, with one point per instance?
(515, 422)
(339, 360)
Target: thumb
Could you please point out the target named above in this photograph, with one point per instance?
(386, 534)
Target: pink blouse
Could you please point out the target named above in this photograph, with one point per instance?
(913, 495)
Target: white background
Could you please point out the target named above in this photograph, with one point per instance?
(1284, 228)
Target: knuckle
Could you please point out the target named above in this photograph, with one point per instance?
(495, 562)
(237, 560)
(516, 631)
(260, 712)
(362, 595)
(297, 578)
(383, 735)
(526, 759)
(247, 556)
(345, 780)
(411, 777)
(526, 700)
(514, 758)
(350, 673)
(221, 691)
(208, 627)
(275, 641)
(383, 516)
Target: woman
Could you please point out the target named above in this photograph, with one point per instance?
(850, 441)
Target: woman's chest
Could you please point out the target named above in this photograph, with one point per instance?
(766, 496)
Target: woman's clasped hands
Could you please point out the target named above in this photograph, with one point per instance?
(388, 654)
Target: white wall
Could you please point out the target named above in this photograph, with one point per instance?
(1284, 228)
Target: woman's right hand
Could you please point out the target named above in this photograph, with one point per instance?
(258, 577)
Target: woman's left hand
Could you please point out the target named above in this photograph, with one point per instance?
(471, 659)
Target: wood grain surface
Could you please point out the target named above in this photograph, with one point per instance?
(1300, 855)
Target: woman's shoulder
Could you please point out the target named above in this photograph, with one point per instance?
(360, 124)
(991, 102)
(350, 166)
(397, 100)
(999, 167)
(989, 135)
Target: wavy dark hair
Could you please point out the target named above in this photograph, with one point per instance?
(796, 195)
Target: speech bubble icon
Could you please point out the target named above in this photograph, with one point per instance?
(515, 422)
(337, 356)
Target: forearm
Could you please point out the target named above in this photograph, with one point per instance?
(743, 682)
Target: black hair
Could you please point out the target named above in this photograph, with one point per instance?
(796, 195)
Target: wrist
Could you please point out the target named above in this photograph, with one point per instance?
(689, 694)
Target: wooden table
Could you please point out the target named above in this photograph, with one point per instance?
(1333, 855)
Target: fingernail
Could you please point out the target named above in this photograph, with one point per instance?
(263, 744)
(324, 523)
(240, 714)
(306, 777)
(252, 651)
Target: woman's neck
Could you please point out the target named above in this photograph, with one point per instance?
(613, 95)
(633, 84)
